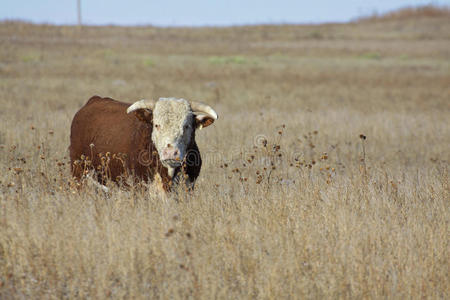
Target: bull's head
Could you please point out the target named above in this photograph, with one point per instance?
(174, 124)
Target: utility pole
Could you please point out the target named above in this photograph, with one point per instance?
(79, 12)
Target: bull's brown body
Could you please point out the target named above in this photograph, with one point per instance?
(102, 128)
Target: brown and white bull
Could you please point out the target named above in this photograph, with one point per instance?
(148, 140)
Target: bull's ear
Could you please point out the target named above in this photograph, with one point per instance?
(143, 115)
(204, 114)
(202, 120)
(142, 109)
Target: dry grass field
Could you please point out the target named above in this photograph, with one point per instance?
(291, 202)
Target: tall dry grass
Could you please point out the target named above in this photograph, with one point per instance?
(291, 201)
(418, 12)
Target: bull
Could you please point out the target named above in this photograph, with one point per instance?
(147, 140)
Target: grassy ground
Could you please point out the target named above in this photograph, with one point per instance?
(291, 201)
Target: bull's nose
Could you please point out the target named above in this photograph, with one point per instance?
(170, 153)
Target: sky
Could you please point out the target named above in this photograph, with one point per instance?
(198, 12)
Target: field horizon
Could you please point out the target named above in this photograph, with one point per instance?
(325, 176)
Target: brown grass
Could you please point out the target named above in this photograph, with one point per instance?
(288, 204)
(420, 12)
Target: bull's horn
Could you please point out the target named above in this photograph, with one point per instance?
(202, 108)
(141, 104)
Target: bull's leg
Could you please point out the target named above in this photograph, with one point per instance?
(181, 178)
(97, 184)
(77, 170)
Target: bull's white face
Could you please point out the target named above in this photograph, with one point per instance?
(173, 129)
(174, 123)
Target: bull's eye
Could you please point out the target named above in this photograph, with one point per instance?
(157, 126)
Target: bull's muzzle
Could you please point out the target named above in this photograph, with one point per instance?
(171, 156)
